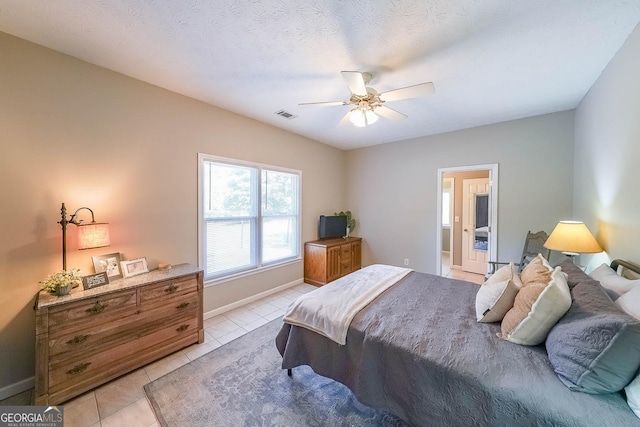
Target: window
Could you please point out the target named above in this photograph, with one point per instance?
(446, 207)
(249, 216)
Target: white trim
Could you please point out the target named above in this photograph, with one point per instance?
(17, 388)
(493, 194)
(257, 270)
(201, 226)
(234, 305)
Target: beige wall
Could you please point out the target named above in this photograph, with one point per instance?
(458, 177)
(76, 133)
(607, 157)
(392, 188)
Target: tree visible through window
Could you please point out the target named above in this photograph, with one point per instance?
(249, 216)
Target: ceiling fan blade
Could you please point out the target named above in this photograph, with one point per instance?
(422, 89)
(325, 104)
(346, 119)
(355, 81)
(389, 113)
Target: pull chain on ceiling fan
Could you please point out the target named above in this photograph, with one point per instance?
(368, 104)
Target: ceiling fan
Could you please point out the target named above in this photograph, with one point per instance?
(369, 104)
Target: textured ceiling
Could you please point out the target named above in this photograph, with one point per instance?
(490, 60)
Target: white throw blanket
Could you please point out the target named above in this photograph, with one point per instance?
(330, 309)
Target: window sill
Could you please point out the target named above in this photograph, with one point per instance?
(221, 280)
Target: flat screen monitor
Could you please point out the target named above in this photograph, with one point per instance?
(332, 227)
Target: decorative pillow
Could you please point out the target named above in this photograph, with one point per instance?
(630, 304)
(495, 297)
(595, 347)
(537, 271)
(537, 307)
(633, 395)
(611, 280)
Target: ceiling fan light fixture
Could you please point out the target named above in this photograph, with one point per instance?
(358, 118)
(362, 117)
(371, 117)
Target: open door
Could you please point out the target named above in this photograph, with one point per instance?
(475, 223)
(481, 243)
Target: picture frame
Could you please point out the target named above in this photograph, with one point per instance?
(134, 267)
(95, 280)
(109, 264)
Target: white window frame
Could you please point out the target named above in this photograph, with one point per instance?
(260, 265)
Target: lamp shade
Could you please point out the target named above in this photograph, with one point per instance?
(572, 236)
(93, 235)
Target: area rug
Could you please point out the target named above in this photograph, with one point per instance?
(242, 384)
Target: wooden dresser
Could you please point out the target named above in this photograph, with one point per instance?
(328, 260)
(89, 337)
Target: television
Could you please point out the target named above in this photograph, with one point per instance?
(332, 227)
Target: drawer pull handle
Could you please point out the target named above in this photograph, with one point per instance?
(171, 289)
(78, 369)
(182, 328)
(79, 339)
(97, 308)
(183, 305)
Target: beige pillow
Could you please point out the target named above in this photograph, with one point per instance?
(537, 271)
(537, 308)
(495, 297)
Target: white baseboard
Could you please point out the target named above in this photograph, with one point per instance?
(229, 307)
(17, 388)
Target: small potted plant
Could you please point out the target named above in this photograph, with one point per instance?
(351, 222)
(60, 283)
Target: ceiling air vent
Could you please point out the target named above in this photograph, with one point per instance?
(285, 114)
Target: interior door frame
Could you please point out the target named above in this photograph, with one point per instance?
(493, 195)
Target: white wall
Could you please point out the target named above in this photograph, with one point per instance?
(76, 133)
(607, 157)
(392, 189)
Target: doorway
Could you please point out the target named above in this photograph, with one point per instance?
(480, 221)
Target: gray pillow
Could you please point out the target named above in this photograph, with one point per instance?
(595, 347)
(575, 274)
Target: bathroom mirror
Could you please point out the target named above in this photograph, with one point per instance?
(481, 231)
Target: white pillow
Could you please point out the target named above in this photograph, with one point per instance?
(537, 308)
(610, 280)
(633, 395)
(629, 302)
(495, 297)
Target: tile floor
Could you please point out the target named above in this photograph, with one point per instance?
(122, 402)
(447, 271)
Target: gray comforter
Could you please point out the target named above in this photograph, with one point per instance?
(418, 352)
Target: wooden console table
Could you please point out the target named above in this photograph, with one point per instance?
(89, 337)
(328, 260)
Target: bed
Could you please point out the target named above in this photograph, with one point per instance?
(418, 352)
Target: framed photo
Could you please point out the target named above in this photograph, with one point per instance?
(95, 280)
(109, 264)
(134, 267)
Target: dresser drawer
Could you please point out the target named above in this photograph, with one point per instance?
(67, 372)
(106, 335)
(92, 311)
(168, 288)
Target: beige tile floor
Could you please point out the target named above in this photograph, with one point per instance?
(122, 402)
(447, 271)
